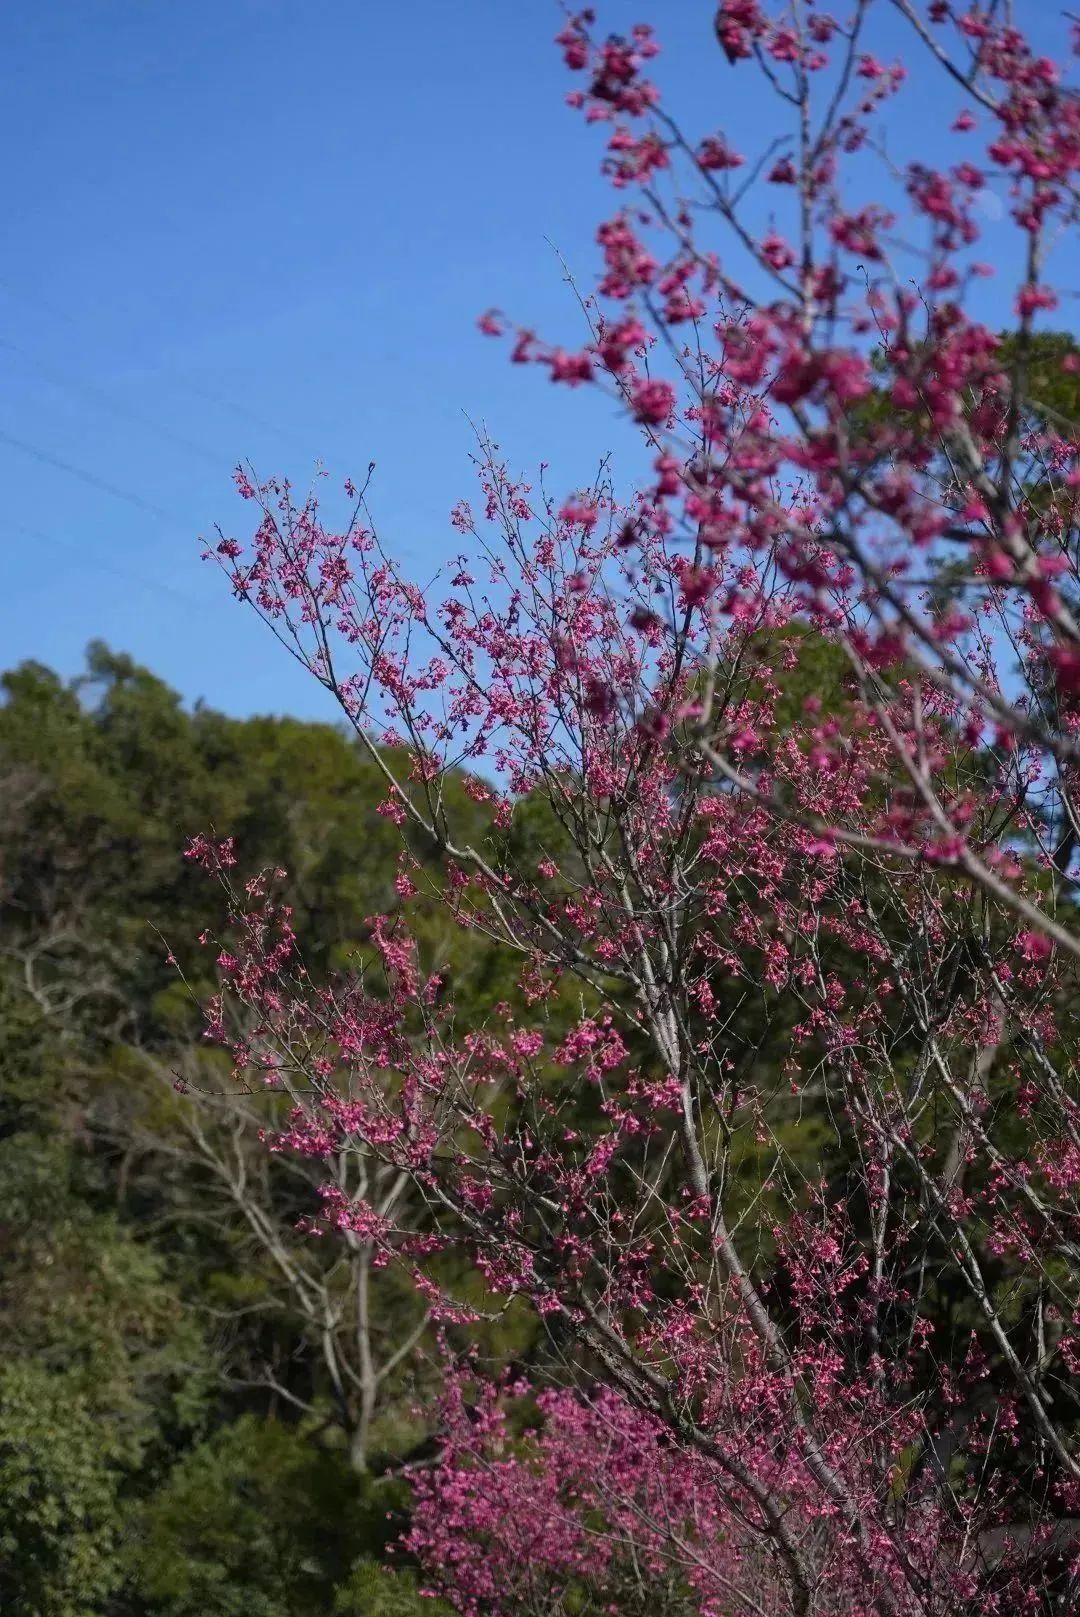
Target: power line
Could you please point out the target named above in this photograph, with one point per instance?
(91, 391)
(89, 478)
(209, 395)
(156, 586)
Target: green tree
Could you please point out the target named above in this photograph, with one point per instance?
(256, 1522)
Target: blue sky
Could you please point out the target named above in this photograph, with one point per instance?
(264, 229)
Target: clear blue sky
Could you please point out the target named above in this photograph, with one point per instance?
(264, 229)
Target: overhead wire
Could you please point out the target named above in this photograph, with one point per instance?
(90, 478)
(95, 564)
(90, 390)
(209, 395)
(103, 485)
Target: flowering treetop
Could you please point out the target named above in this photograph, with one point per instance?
(795, 1194)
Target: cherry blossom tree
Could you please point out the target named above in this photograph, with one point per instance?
(794, 729)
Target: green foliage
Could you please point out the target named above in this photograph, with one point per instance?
(147, 1466)
(171, 1440)
(59, 1504)
(255, 1522)
(1053, 392)
(373, 1590)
